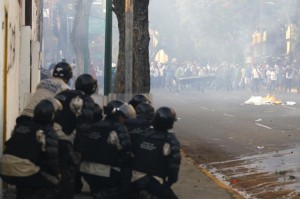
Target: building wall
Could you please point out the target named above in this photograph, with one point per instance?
(11, 53)
(17, 73)
(21, 73)
(2, 18)
(9, 68)
(35, 44)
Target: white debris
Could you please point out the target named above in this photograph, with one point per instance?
(259, 100)
(256, 100)
(290, 103)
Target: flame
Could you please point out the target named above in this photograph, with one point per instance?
(272, 100)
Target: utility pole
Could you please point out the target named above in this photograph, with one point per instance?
(108, 47)
(128, 48)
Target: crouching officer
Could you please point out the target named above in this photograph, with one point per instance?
(92, 113)
(78, 107)
(106, 152)
(48, 88)
(143, 120)
(30, 159)
(137, 99)
(157, 158)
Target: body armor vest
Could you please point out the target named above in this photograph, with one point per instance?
(96, 148)
(24, 137)
(148, 154)
(66, 118)
(138, 122)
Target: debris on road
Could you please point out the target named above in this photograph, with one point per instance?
(259, 100)
(260, 147)
(290, 103)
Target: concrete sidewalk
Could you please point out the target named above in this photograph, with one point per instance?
(193, 183)
(196, 183)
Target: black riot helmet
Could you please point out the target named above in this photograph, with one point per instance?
(111, 107)
(87, 84)
(63, 70)
(145, 110)
(164, 118)
(44, 112)
(137, 99)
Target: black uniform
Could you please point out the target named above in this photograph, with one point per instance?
(30, 161)
(156, 156)
(143, 120)
(111, 141)
(138, 124)
(77, 108)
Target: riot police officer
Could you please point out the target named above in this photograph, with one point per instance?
(109, 109)
(78, 108)
(48, 88)
(157, 157)
(137, 99)
(143, 120)
(103, 170)
(30, 159)
(92, 113)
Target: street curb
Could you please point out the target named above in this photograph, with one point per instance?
(218, 182)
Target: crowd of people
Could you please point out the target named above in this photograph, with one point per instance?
(253, 77)
(271, 78)
(122, 150)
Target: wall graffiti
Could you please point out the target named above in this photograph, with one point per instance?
(12, 47)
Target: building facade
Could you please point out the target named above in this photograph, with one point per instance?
(20, 59)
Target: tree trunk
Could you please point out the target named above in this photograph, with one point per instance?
(80, 35)
(60, 30)
(141, 38)
(297, 36)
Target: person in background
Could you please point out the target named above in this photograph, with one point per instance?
(30, 160)
(297, 79)
(289, 77)
(156, 158)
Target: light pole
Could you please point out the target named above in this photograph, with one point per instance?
(108, 48)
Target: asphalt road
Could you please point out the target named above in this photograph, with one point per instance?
(252, 148)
